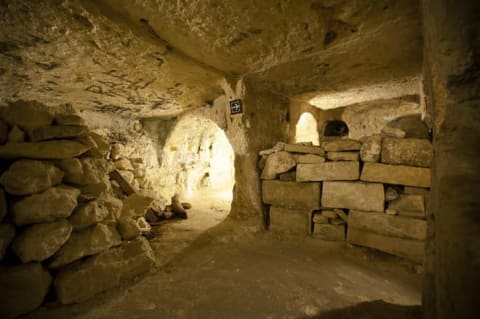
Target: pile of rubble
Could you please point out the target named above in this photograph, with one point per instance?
(63, 232)
(372, 192)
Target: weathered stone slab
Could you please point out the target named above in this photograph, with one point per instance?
(69, 119)
(58, 149)
(343, 156)
(406, 248)
(371, 149)
(291, 194)
(136, 205)
(80, 282)
(55, 203)
(26, 114)
(308, 159)
(341, 144)
(396, 174)
(90, 241)
(290, 221)
(86, 171)
(41, 241)
(384, 224)
(25, 177)
(328, 171)
(329, 232)
(306, 149)
(85, 215)
(353, 195)
(22, 289)
(16, 135)
(277, 163)
(412, 205)
(51, 132)
(7, 233)
(407, 151)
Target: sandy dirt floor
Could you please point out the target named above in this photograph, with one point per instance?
(231, 271)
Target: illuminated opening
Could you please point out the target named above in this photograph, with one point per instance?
(307, 129)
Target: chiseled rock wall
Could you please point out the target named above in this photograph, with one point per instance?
(58, 211)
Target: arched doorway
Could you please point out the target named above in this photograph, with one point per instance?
(335, 128)
(198, 164)
(307, 129)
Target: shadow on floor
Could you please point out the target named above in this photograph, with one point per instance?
(377, 309)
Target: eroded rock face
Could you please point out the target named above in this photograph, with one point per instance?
(87, 242)
(54, 203)
(80, 282)
(41, 241)
(22, 289)
(26, 177)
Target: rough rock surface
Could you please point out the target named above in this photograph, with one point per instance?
(341, 144)
(7, 233)
(412, 125)
(291, 194)
(26, 177)
(396, 174)
(43, 133)
(86, 215)
(371, 148)
(353, 195)
(78, 283)
(408, 151)
(328, 171)
(84, 171)
(128, 229)
(22, 289)
(384, 224)
(41, 241)
(54, 203)
(26, 114)
(87, 242)
(277, 163)
(289, 221)
(306, 149)
(58, 149)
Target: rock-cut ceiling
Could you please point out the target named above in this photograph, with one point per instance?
(158, 58)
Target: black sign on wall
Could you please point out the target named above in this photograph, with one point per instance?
(236, 107)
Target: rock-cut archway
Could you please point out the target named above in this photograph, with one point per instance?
(307, 129)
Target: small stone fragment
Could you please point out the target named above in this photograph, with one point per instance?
(128, 229)
(336, 221)
(319, 219)
(16, 135)
(329, 214)
(341, 213)
(41, 241)
(55, 203)
(277, 163)
(289, 176)
(26, 177)
(393, 132)
(391, 194)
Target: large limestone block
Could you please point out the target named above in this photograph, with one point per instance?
(41, 241)
(328, 171)
(413, 250)
(384, 224)
(407, 151)
(77, 283)
(7, 233)
(308, 159)
(371, 149)
(291, 194)
(412, 205)
(353, 195)
(50, 132)
(26, 114)
(22, 289)
(87, 214)
(277, 163)
(84, 171)
(136, 205)
(341, 144)
(329, 232)
(306, 149)
(26, 177)
(55, 203)
(343, 156)
(90, 241)
(396, 174)
(58, 149)
(290, 221)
